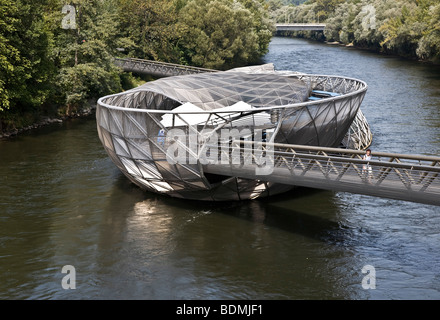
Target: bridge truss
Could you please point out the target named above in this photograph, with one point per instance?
(413, 178)
(156, 68)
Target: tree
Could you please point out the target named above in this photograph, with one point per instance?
(26, 69)
(9, 56)
(152, 28)
(222, 33)
(325, 7)
(339, 26)
(429, 44)
(84, 54)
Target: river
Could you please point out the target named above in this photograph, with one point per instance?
(64, 203)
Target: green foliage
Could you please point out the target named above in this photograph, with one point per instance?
(47, 65)
(429, 44)
(324, 7)
(215, 34)
(25, 68)
(85, 81)
(84, 55)
(221, 34)
(9, 56)
(151, 28)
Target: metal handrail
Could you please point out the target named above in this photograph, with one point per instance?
(393, 175)
(338, 155)
(151, 63)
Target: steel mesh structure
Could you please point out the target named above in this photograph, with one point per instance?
(406, 177)
(159, 133)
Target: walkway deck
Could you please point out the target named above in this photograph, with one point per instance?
(157, 69)
(413, 178)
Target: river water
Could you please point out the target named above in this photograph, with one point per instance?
(64, 203)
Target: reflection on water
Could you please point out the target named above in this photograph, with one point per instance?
(63, 202)
(173, 249)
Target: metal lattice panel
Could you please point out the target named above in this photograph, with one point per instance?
(397, 176)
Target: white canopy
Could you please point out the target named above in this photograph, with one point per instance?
(190, 114)
(182, 118)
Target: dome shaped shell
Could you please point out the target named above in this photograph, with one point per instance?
(189, 114)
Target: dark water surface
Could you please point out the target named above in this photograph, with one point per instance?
(63, 202)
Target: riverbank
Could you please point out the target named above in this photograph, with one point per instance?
(11, 128)
(47, 120)
(374, 50)
(358, 47)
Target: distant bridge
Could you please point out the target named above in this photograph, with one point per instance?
(300, 26)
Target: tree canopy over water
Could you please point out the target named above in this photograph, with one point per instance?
(409, 28)
(57, 56)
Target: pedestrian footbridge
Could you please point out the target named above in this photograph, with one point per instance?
(157, 68)
(390, 175)
(131, 124)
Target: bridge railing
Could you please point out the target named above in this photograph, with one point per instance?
(392, 175)
(157, 68)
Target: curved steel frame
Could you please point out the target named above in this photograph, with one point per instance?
(131, 128)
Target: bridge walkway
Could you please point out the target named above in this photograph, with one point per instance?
(156, 68)
(413, 178)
